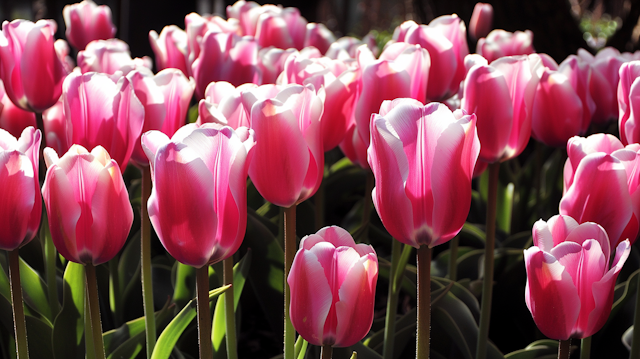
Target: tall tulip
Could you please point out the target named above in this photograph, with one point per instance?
(86, 22)
(29, 65)
(570, 280)
(170, 48)
(481, 20)
(333, 285)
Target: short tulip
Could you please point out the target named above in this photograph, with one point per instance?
(86, 22)
(198, 205)
(87, 204)
(570, 282)
(333, 285)
(423, 159)
(20, 200)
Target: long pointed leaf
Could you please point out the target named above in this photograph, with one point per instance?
(68, 328)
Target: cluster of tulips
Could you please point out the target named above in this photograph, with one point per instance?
(275, 93)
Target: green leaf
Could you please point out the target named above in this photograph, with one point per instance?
(68, 328)
(300, 347)
(172, 332)
(39, 333)
(35, 291)
(545, 348)
(364, 352)
(185, 285)
(505, 207)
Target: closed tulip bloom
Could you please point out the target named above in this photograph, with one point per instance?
(170, 48)
(109, 56)
(333, 286)
(198, 204)
(197, 26)
(346, 47)
(103, 113)
(87, 204)
(501, 95)
(319, 37)
(570, 282)
(29, 64)
(500, 43)
(423, 158)
(604, 82)
(12, 118)
(579, 147)
(281, 28)
(288, 164)
(20, 200)
(223, 105)
(628, 102)
(481, 20)
(86, 22)
(55, 128)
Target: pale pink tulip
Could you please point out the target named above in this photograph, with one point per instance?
(500, 43)
(319, 37)
(346, 47)
(570, 280)
(333, 286)
(481, 20)
(86, 22)
(271, 62)
(109, 56)
(197, 26)
(198, 205)
(170, 48)
(20, 200)
(423, 158)
(223, 105)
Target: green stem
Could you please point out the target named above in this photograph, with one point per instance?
(585, 348)
(116, 295)
(635, 345)
(145, 264)
(453, 258)
(318, 200)
(326, 351)
(424, 302)
(204, 314)
(19, 325)
(487, 283)
(392, 302)
(564, 349)
(230, 316)
(94, 310)
(289, 253)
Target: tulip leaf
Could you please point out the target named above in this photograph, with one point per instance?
(35, 291)
(185, 284)
(627, 338)
(300, 347)
(40, 334)
(178, 324)
(68, 328)
(5, 287)
(218, 330)
(624, 291)
(505, 207)
(353, 356)
(129, 267)
(364, 352)
(545, 348)
(473, 232)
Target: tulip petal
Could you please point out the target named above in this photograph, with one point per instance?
(63, 213)
(17, 198)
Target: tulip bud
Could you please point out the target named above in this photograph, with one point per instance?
(333, 286)
(481, 20)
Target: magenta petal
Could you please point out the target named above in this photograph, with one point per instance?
(17, 198)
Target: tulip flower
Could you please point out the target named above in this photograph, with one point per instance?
(501, 96)
(423, 159)
(333, 285)
(500, 43)
(223, 105)
(20, 200)
(86, 22)
(30, 68)
(198, 205)
(346, 47)
(62, 50)
(197, 26)
(289, 160)
(87, 204)
(628, 102)
(55, 128)
(101, 112)
(170, 48)
(12, 118)
(319, 37)
(481, 20)
(604, 82)
(271, 62)
(570, 280)
(281, 28)
(109, 56)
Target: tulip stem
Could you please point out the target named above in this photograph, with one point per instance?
(487, 283)
(326, 351)
(564, 349)
(318, 200)
(19, 326)
(229, 307)
(204, 314)
(635, 344)
(585, 348)
(453, 258)
(145, 264)
(94, 311)
(289, 253)
(392, 302)
(423, 336)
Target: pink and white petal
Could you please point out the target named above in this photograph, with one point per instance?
(151, 142)
(354, 311)
(592, 269)
(17, 198)
(591, 231)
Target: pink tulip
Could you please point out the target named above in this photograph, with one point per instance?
(87, 204)
(247, 13)
(281, 28)
(223, 105)
(12, 118)
(289, 159)
(271, 62)
(101, 112)
(346, 47)
(481, 20)
(29, 65)
(165, 98)
(62, 50)
(604, 82)
(319, 37)
(333, 286)
(20, 200)
(501, 96)
(423, 159)
(628, 102)
(570, 282)
(198, 205)
(445, 40)
(109, 56)
(55, 128)
(226, 57)
(500, 43)
(86, 22)
(197, 26)
(170, 48)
